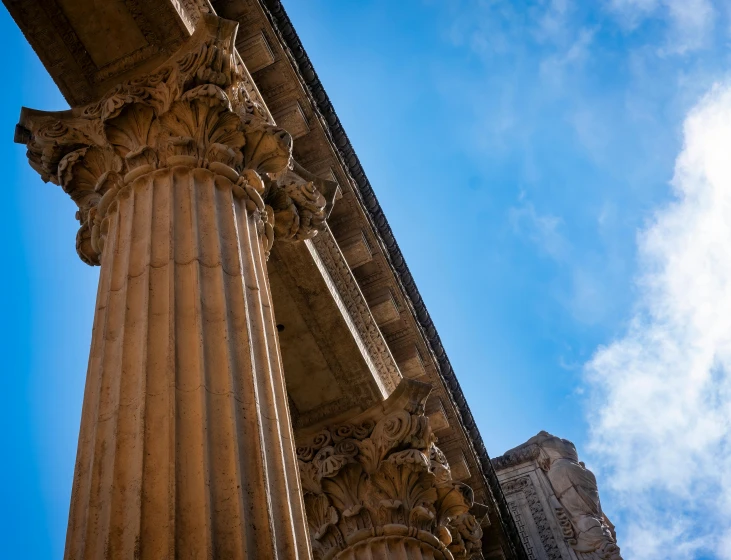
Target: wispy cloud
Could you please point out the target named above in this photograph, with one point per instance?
(585, 297)
(662, 392)
(543, 230)
(690, 22)
(554, 66)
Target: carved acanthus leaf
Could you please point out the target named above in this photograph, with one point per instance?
(383, 474)
(195, 111)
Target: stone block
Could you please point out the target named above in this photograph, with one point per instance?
(460, 470)
(256, 53)
(356, 250)
(436, 414)
(292, 119)
(384, 308)
(409, 361)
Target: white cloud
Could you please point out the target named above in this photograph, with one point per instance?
(690, 21)
(662, 392)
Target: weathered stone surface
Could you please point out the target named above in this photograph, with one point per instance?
(88, 47)
(378, 487)
(356, 250)
(555, 501)
(384, 307)
(186, 444)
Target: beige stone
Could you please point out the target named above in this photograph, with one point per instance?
(292, 118)
(378, 487)
(460, 469)
(384, 307)
(438, 419)
(185, 377)
(410, 361)
(356, 250)
(256, 52)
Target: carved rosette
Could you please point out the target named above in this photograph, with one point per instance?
(379, 487)
(194, 111)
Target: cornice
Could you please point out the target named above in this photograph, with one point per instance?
(517, 456)
(281, 22)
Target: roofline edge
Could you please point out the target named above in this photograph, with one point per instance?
(281, 22)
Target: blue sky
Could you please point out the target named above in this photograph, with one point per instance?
(556, 174)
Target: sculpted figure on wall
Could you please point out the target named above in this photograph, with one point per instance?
(586, 528)
(379, 487)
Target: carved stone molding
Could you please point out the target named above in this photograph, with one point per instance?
(195, 111)
(525, 485)
(578, 510)
(379, 487)
(341, 275)
(520, 523)
(516, 457)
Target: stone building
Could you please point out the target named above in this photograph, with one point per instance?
(264, 379)
(554, 501)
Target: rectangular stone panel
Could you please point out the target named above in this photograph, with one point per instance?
(108, 31)
(409, 361)
(331, 176)
(356, 250)
(458, 465)
(384, 308)
(292, 119)
(436, 414)
(256, 53)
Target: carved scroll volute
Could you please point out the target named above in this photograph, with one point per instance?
(382, 477)
(193, 111)
(91, 176)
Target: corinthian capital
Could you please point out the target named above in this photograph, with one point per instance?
(379, 483)
(194, 111)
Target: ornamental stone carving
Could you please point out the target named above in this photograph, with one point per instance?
(379, 487)
(582, 522)
(193, 112)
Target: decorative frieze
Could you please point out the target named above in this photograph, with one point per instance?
(331, 257)
(379, 487)
(546, 537)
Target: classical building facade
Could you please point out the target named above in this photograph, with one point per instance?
(264, 379)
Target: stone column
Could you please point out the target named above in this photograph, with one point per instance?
(186, 447)
(378, 487)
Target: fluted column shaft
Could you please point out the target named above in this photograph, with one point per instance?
(182, 182)
(186, 446)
